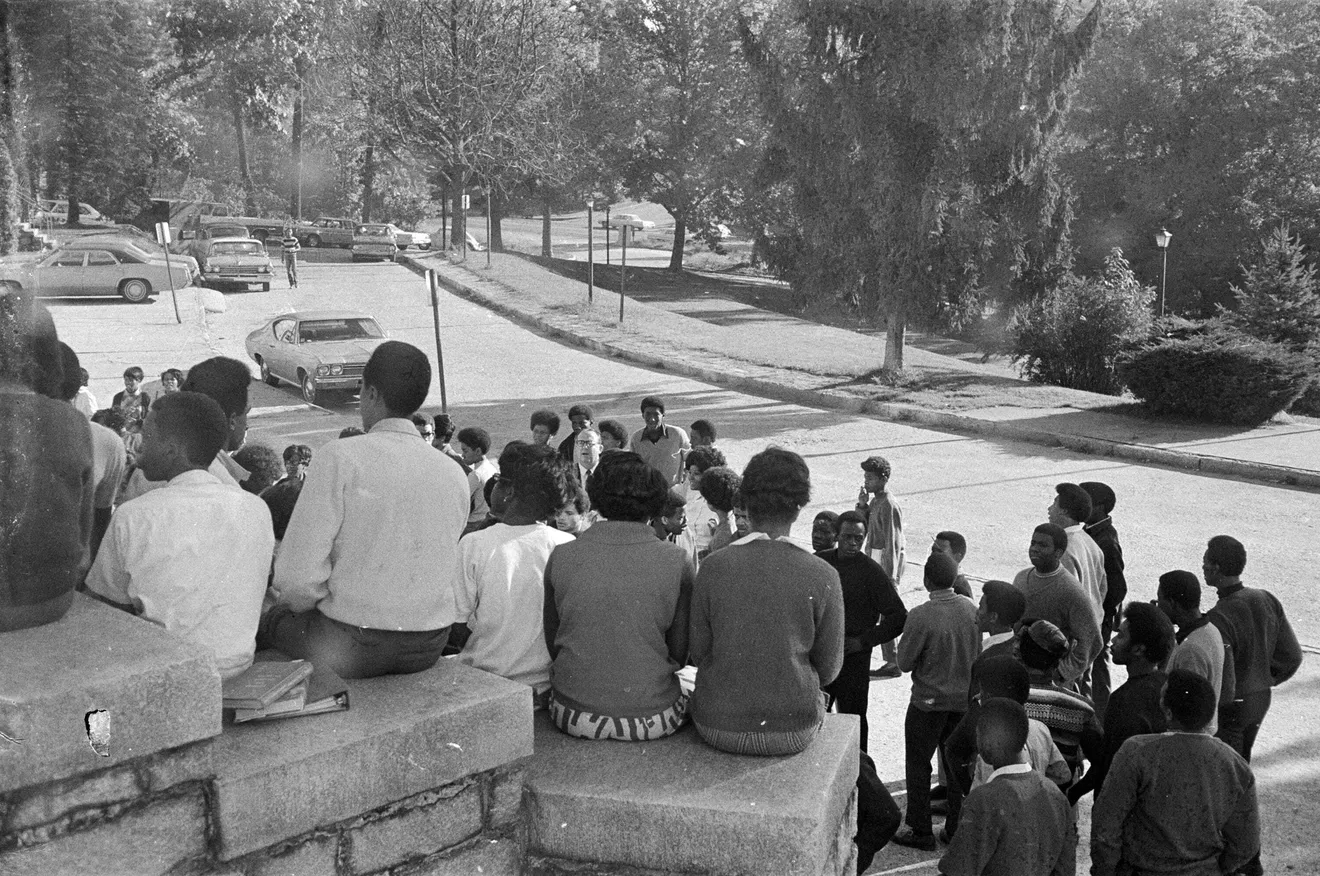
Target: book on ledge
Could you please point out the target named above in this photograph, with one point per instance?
(324, 692)
(262, 683)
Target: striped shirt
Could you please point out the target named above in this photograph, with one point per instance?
(290, 244)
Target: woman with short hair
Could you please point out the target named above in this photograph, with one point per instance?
(616, 613)
(767, 623)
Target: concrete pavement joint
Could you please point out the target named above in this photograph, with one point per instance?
(1144, 454)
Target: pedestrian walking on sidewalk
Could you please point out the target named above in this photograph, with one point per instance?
(290, 247)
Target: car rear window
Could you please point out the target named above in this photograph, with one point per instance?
(373, 230)
(238, 248)
(339, 330)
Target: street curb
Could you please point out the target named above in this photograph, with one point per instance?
(1213, 466)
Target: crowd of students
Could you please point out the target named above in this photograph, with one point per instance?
(636, 583)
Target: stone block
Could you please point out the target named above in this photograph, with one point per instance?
(504, 791)
(626, 803)
(480, 857)
(159, 691)
(419, 831)
(316, 857)
(144, 841)
(41, 804)
(183, 764)
(403, 735)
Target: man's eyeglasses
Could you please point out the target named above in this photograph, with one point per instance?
(428, 435)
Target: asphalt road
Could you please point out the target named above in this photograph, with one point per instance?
(993, 492)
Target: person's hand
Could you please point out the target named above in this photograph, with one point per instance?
(852, 644)
(863, 498)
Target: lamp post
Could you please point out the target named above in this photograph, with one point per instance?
(1162, 241)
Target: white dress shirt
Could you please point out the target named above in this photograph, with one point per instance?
(193, 557)
(501, 597)
(373, 541)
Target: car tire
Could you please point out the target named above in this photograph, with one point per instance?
(270, 379)
(265, 287)
(135, 291)
(309, 391)
(314, 241)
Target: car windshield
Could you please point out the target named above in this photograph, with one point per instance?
(228, 231)
(238, 247)
(339, 329)
(374, 230)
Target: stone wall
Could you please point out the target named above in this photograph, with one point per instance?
(430, 774)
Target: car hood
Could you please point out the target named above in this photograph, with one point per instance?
(358, 350)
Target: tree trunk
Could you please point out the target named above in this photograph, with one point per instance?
(895, 335)
(296, 134)
(244, 171)
(368, 180)
(546, 249)
(9, 208)
(680, 238)
(460, 216)
(495, 204)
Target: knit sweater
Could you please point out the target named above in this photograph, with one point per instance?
(1265, 650)
(1017, 824)
(872, 609)
(940, 641)
(767, 634)
(1087, 562)
(1058, 598)
(616, 616)
(1175, 803)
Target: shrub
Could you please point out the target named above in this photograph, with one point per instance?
(1072, 335)
(1221, 376)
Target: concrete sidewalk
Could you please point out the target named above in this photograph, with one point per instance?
(732, 344)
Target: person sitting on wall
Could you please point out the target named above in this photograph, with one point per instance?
(616, 613)
(767, 623)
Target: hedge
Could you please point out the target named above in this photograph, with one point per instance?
(1221, 376)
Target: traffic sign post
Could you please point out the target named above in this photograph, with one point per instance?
(433, 287)
(163, 238)
(591, 254)
(623, 267)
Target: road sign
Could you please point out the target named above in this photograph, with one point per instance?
(163, 233)
(467, 202)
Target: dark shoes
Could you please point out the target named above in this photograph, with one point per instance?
(906, 836)
(889, 670)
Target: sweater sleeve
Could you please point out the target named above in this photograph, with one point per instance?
(699, 636)
(975, 842)
(893, 613)
(1241, 832)
(550, 612)
(827, 649)
(1287, 656)
(1116, 581)
(678, 637)
(1086, 642)
(911, 645)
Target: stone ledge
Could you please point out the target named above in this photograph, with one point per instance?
(160, 692)
(403, 735)
(680, 805)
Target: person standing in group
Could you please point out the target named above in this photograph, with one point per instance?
(661, 446)
(289, 249)
(580, 416)
(1200, 647)
(131, 401)
(1054, 594)
(884, 538)
(873, 613)
(366, 573)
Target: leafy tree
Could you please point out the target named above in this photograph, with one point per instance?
(1072, 336)
(84, 96)
(1196, 115)
(687, 131)
(915, 137)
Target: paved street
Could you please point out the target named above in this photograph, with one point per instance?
(993, 492)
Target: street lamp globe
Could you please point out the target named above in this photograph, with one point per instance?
(1162, 238)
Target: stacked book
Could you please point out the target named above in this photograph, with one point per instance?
(276, 687)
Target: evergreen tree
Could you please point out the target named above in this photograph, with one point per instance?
(1277, 300)
(917, 138)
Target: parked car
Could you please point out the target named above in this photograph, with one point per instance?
(374, 241)
(111, 268)
(195, 242)
(322, 352)
(630, 220)
(135, 241)
(327, 231)
(234, 261)
(405, 239)
(57, 213)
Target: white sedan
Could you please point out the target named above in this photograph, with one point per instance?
(630, 220)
